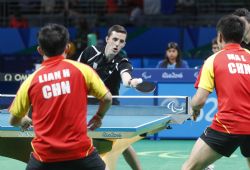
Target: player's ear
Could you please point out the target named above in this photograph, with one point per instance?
(67, 48)
(106, 39)
(220, 38)
(123, 45)
(40, 51)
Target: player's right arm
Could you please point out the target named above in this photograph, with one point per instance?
(96, 120)
(20, 106)
(198, 101)
(125, 68)
(97, 88)
(205, 84)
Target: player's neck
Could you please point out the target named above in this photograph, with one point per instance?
(109, 57)
(46, 57)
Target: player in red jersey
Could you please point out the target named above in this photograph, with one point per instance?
(58, 94)
(228, 72)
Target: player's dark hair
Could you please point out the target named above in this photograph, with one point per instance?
(242, 12)
(232, 28)
(117, 28)
(53, 38)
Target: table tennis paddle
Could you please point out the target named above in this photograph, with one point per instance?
(146, 87)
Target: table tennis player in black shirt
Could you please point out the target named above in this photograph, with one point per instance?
(113, 67)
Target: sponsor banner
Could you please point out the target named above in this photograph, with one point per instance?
(13, 77)
(167, 75)
(148, 74)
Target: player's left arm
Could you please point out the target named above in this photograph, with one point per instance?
(125, 69)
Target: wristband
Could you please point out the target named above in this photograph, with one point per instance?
(98, 116)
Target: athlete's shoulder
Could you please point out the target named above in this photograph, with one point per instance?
(245, 45)
(122, 56)
(123, 53)
(95, 49)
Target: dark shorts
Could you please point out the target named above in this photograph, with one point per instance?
(91, 162)
(225, 144)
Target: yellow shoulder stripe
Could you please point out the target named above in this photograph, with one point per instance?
(21, 104)
(207, 74)
(94, 84)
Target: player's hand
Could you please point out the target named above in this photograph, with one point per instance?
(135, 81)
(95, 122)
(195, 113)
(25, 123)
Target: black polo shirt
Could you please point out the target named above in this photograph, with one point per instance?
(245, 45)
(109, 71)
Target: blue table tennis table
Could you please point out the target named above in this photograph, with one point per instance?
(122, 126)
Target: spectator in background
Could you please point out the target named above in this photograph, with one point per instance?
(117, 6)
(18, 21)
(172, 58)
(135, 11)
(47, 6)
(112, 6)
(244, 14)
(214, 49)
(152, 7)
(135, 16)
(72, 11)
(215, 46)
(82, 30)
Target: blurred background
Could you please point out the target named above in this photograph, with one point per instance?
(151, 25)
(154, 27)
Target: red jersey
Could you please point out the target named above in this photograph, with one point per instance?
(58, 93)
(228, 71)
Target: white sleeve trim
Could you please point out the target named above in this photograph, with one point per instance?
(80, 57)
(123, 71)
(97, 53)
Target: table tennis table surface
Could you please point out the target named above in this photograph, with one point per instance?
(119, 121)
